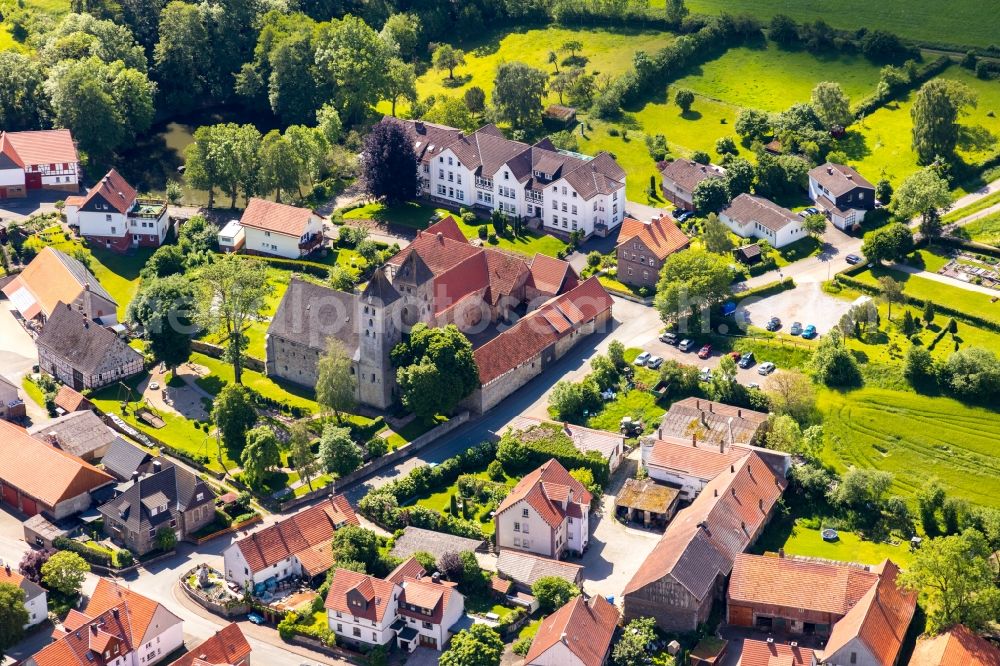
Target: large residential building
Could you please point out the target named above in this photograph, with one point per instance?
(956, 647)
(579, 633)
(118, 627)
(296, 546)
(45, 159)
(842, 193)
(680, 177)
(162, 496)
(546, 513)
(440, 279)
(279, 230)
(644, 246)
(54, 277)
(686, 570)
(35, 596)
(566, 191)
(416, 611)
(111, 214)
(750, 216)
(226, 647)
(83, 354)
(36, 477)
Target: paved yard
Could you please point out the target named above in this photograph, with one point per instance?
(37, 202)
(17, 349)
(807, 304)
(615, 551)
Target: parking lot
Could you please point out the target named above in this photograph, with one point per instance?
(670, 352)
(807, 304)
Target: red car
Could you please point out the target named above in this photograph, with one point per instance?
(736, 356)
(705, 351)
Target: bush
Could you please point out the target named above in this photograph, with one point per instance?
(286, 628)
(483, 232)
(522, 645)
(522, 451)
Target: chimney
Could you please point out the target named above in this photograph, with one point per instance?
(711, 408)
(716, 492)
(440, 237)
(6, 568)
(722, 446)
(697, 404)
(760, 504)
(739, 413)
(743, 525)
(562, 637)
(419, 126)
(156, 466)
(69, 307)
(694, 439)
(93, 629)
(86, 286)
(781, 553)
(732, 469)
(566, 427)
(733, 491)
(829, 170)
(436, 577)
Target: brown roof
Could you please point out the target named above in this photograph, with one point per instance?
(298, 534)
(711, 421)
(140, 610)
(44, 472)
(703, 540)
(584, 627)
(687, 174)
(801, 584)
(449, 227)
(428, 139)
(759, 653)
(684, 456)
(879, 619)
(226, 647)
(70, 400)
(957, 647)
(408, 568)
(526, 569)
(838, 178)
(434, 596)
(661, 236)
(376, 593)
(544, 490)
(53, 277)
(86, 345)
(79, 433)
(275, 217)
(746, 209)
(114, 189)
(43, 146)
(500, 586)
(647, 495)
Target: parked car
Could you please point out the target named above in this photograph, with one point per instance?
(705, 375)
(812, 210)
(685, 216)
(256, 618)
(773, 324)
(641, 358)
(746, 361)
(796, 328)
(705, 351)
(669, 338)
(809, 332)
(766, 368)
(686, 345)
(753, 385)
(654, 362)
(736, 356)
(852, 259)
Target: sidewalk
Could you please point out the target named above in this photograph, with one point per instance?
(919, 272)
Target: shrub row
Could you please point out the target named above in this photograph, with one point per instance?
(302, 265)
(961, 315)
(876, 100)
(522, 452)
(118, 559)
(769, 289)
(971, 246)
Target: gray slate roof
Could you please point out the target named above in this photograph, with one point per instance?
(78, 433)
(310, 313)
(416, 540)
(85, 345)
(179, 487)
(525, 569)
(747, 209)
(124, 459)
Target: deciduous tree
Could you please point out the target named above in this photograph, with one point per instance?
(632, 649)
(831, 104)
(553, 592)
(165, 308)
(447, 57)
(65, 572)
(13, 615)
(300, 450)
(400, 81)
(336, 386)
(405, 31)
(352, 62)
(179, 56)
(389, 163)
(23, 103)
(475, 100)
(233, 414)
(891, 292)
(436, 370)
(517, 94)
(479, 645)
(889, 243)
(923, 193)
(684, 98)
(690, 280)
(339, 453)
(815, 224)
(260, 455)
(716, 235)
(935, 112)
(834, 363)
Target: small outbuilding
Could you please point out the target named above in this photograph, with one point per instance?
(561, 114)
(652, 503)
(232, 237)
(748, 255)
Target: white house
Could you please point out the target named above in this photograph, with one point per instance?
(35, 597)
(296, 546)
(361, 609)
(429, 608)
(232, 237)
(842, 193)
(750, 216)
(547, 513)
(566, 191)
(686, 464)
(112, 214)
(45, 159)
(278, 230)
(578, 634)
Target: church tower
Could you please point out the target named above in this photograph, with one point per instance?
(378, 333)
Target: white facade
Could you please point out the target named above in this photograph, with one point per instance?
(688, 484)
(279, 244)
(91, 223)
(789, 233)
(855, 653)
(56, 175)
(434, 634)
(578, 531)
(11, 177)
(362, 630)
(842, 219)
(232, 236)
(156, 647)
(239, 572)
(521, 527)
(557, 655)
(38, 609)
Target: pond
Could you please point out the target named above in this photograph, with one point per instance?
(156, 156)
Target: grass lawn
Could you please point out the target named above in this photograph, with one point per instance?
(32, 391)
(440, 501)
(962, 23)
(638, 403)
(791, 534)
(410, 214)
(632, 155)
(984, 230)
(917, 438)
(529, 630)
(784, 351)
(800, 249)
(605, 51)
(934, 258)
(222, 374)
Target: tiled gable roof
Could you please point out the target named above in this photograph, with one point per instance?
(802, 584)
(275, 217)
(685, 457)
(376, 592)
(448, 227)
(70, 400)
(141, 612)
(408, 568)
(839, 178)
(545, 490)
(114, 189)
(759, 653)
(746, 209)
(85, 345)
(44, 472)
(9, 159)
(661, 236)
(312, 527)
(687, 174)
(879, 620)
(225, 647)
(584, 627)
(526, 569)
(549, 275)
(53, 277)
(43, 146)
(438, 251)
(427, 594)
(957, 647)
(78, 433)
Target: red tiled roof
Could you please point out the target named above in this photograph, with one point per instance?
(43, 146)
(70, 400)
(425, 593)
(544, 490)
(226, 647)
(275, 217)
(377, 592)
(957, 647)
(297, 534)
(584, 627)
(7, 149)
(51, 278)
(449, 227)
(115, 190)
(139, 609)
(661, 236)
(439, 251)
(880, 619)
(44, 472)
(409, 568)
(549, 274)
(759, 653)
(703, 461)
(799, 584)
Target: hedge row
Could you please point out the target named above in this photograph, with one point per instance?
(302, 265)
(769, 289)
(118, 559)
(524, 451)
(927, 71)
(960, 315)
(970, 246)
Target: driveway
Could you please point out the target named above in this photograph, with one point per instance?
(817, 268)
(37, 202)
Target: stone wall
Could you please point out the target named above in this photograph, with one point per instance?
(215, 351)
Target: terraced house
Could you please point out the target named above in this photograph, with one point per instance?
(564, 191)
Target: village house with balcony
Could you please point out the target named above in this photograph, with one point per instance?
(279, 230)
(112, 215)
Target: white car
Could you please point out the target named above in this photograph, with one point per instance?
(641, 358)
(766, 368)
(705, 375)
(654, 362)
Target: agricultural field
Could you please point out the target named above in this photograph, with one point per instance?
(923, 20)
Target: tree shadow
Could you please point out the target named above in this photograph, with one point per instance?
(691, 114)
(457, 82)
(578, 60)
(975, 138)
(854, 145)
